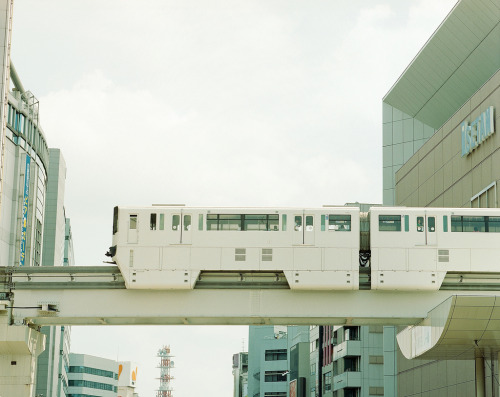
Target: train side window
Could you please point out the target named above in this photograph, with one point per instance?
(200, 222)
(274, 222)
(445, 223)
(211, 222)
(339, 223)
(298, 223)
(176, 219)
(494, 224)
(229, 222)
(133, 222)
(309, 223)
(152, 222)
(389, 223)
(283, 222)
(431, 224)
(474, 224)
(162, 221)
(323, 223)
(420, 223)
(456, 223)
(187, 222)
(407, 223)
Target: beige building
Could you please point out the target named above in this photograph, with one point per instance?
(441, 148)
(438, 175)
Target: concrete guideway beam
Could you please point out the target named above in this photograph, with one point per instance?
(224, 307)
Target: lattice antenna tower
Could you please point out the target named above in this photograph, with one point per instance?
(165, 365)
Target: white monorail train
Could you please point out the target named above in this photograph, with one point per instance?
(168, 247)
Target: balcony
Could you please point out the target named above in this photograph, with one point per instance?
(347, 348)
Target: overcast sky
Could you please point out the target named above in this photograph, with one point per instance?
(217, 103)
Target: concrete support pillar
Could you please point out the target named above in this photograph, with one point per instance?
(19, 348)
(480, 381)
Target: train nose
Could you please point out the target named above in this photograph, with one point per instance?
(111, 251)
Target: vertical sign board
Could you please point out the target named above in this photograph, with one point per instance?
(24, 219)
(293, 388)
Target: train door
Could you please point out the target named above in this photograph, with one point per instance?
(133, 229)
(181, 228)
(303, 230)
(426, 229)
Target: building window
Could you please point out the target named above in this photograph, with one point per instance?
(351, 333)
(275, 355)
(275, 376)
(275, 394)
(351, 364)
(327, 381)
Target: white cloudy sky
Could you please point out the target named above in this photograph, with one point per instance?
(210, 103)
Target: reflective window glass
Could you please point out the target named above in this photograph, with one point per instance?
(133, 221)
(309, 223)
(162, 221)
(176, 220)
(420, 223)
(389, 223)
(339, 223)
(431, 224)
(152, 222)
(298, 222)
(187, 222)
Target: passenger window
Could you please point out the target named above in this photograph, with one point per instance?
(283, 222)
(445, 223)
(162, 221)
(175, 222)
(389, 223)
(456, 223)
(474, 224)
(133, 222)
(323, 218)
(152, 222)
(494, 224)
(211, 222)
(339, 223)
(407, 223)
(298, 223)
(431, 224)
(200, 222)
(274, 222)
(187, 222)
(420, 223)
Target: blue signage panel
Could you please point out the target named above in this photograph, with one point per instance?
(24, 219)
(478, 131)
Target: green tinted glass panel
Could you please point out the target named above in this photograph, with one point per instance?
(445, 223)
(339, 223)
(176, 220)
(200, 222)
(456, 223)
(162, 221)
(322, 223)
(187, 222)
(407, 223)
(431, 224)
(389, 223)
(494, 224)
(420, 223)
(283, 222)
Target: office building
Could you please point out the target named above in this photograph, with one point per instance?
(346, 361)
(441, 148)
(278, 361)
(240, 374)
(92, 376)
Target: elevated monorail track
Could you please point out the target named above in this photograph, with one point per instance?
(109, 277)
